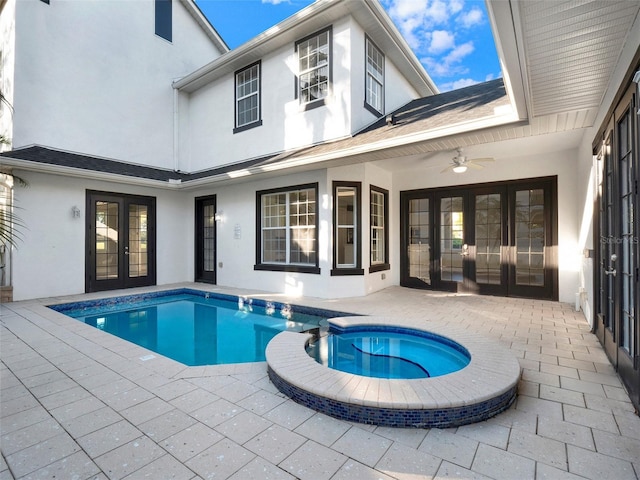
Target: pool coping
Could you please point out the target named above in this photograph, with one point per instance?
(485, 387)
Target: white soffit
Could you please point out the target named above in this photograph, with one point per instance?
(571, 50)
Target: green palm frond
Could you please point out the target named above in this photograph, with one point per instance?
(11, 226)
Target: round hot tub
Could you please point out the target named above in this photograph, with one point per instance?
(388, 352)
(486, 386)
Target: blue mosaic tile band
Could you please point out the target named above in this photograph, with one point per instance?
(392, 417)
(151, 296)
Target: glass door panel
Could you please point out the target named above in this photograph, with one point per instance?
(138, 246)
(107, 218)
(419, 248)
(530, 237)
(452, 246)
(488, 239)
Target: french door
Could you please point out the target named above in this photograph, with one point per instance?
(206, 239)
(120, 241)
(618, 251)
(496, 239)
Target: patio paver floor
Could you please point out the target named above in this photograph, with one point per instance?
(76, 402)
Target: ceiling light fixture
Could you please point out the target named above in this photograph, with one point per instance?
(460, 168)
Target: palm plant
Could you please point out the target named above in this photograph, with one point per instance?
(10, 223)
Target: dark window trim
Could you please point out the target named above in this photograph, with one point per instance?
(321, 102)
(45, 1)
(257, 123)
(279, 267)
(367, 105)
(357, 270)
(378, 267)
(164, 19)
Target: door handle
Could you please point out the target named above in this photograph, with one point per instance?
(611, 271)
(465, 250)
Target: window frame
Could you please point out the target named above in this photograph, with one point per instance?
(367, 100)
(384, 264)
(255, 123)
(286, 266)
(164, 19)
(356, 268)
(321, 101)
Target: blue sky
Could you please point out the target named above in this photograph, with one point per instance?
(452, 38)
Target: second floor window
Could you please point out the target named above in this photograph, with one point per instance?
(248, 97)
(314, 67)
(374, 88)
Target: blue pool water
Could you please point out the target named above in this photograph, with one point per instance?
(389, 354)
(197, 328)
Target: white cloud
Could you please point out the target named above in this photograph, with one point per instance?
(441, 40)
(459, 53)
(460, 83)
(471, 18)
(275, 2)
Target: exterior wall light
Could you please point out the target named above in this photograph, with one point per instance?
(218, 217)
(75, 212)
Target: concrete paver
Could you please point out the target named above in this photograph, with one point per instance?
(76, 402)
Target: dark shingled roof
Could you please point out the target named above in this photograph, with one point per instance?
(420, 115)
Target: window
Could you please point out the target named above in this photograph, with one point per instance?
(288, 226)
(374, 88)
(346, 229)
(163, 19)
(379, 233)
(314, 68)
(248, 98)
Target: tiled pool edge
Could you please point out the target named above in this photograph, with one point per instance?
(483, 389)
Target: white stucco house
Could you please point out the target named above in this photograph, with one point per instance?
(318, 158)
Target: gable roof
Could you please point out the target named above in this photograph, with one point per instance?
(321, 13)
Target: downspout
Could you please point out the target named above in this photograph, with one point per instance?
(176, 130)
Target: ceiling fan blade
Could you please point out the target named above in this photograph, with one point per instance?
(448, 169)
(475, 166)
(486, 159)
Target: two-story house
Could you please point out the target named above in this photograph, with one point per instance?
(319, 158)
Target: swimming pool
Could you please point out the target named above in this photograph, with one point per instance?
(195, 327)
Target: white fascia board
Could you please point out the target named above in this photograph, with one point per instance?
(420, 137)
(204, 23)
(383, 18)
(507, 34)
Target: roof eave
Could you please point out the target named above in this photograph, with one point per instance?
(509, 46)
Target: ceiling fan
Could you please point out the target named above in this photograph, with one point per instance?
(460, 162)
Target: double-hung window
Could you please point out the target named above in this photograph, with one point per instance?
(288, 229)
(379, 212)
(374, 88)
(248, 98)
(314, 68)
(346, 228)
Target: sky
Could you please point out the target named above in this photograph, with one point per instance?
(451, 38)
